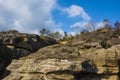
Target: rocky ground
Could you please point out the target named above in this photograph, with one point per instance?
(78, 60)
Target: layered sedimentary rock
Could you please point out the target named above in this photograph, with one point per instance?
(78, 61)
(14, 45)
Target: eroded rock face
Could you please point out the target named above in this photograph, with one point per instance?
(68, 62)
(14, 45)
(22, 44)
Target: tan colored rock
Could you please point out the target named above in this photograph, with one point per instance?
(60, 62)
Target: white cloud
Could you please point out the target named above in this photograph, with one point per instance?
(77, 12)
(78, 26)
(27, 15)
(99, 25)
(52, 26)
(74, 11)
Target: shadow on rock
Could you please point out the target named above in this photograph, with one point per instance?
(4, 74)
(87, 66)
(89, 72)
(5, 59)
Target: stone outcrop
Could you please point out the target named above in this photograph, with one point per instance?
(77, 61)
(23, 44)
(14, 45)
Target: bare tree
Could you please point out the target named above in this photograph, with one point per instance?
(90, 26)
(117, 28)
(106, 24)
(65, 34)
(44, 32)
(57, 35)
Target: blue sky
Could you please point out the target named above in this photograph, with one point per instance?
(98, 10)
(56, 15)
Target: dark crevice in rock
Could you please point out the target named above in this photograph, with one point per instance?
(5, 74)
(86, 76)
(91, 76)
(119, 68)
(31, 72)
(61, 72)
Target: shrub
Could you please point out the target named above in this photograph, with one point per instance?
(105, 44)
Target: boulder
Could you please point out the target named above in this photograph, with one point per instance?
(23, 44)
(115, 40)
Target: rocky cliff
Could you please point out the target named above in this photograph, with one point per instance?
(86, 57)
(23, 44)
(14, 45)
(75, 61)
